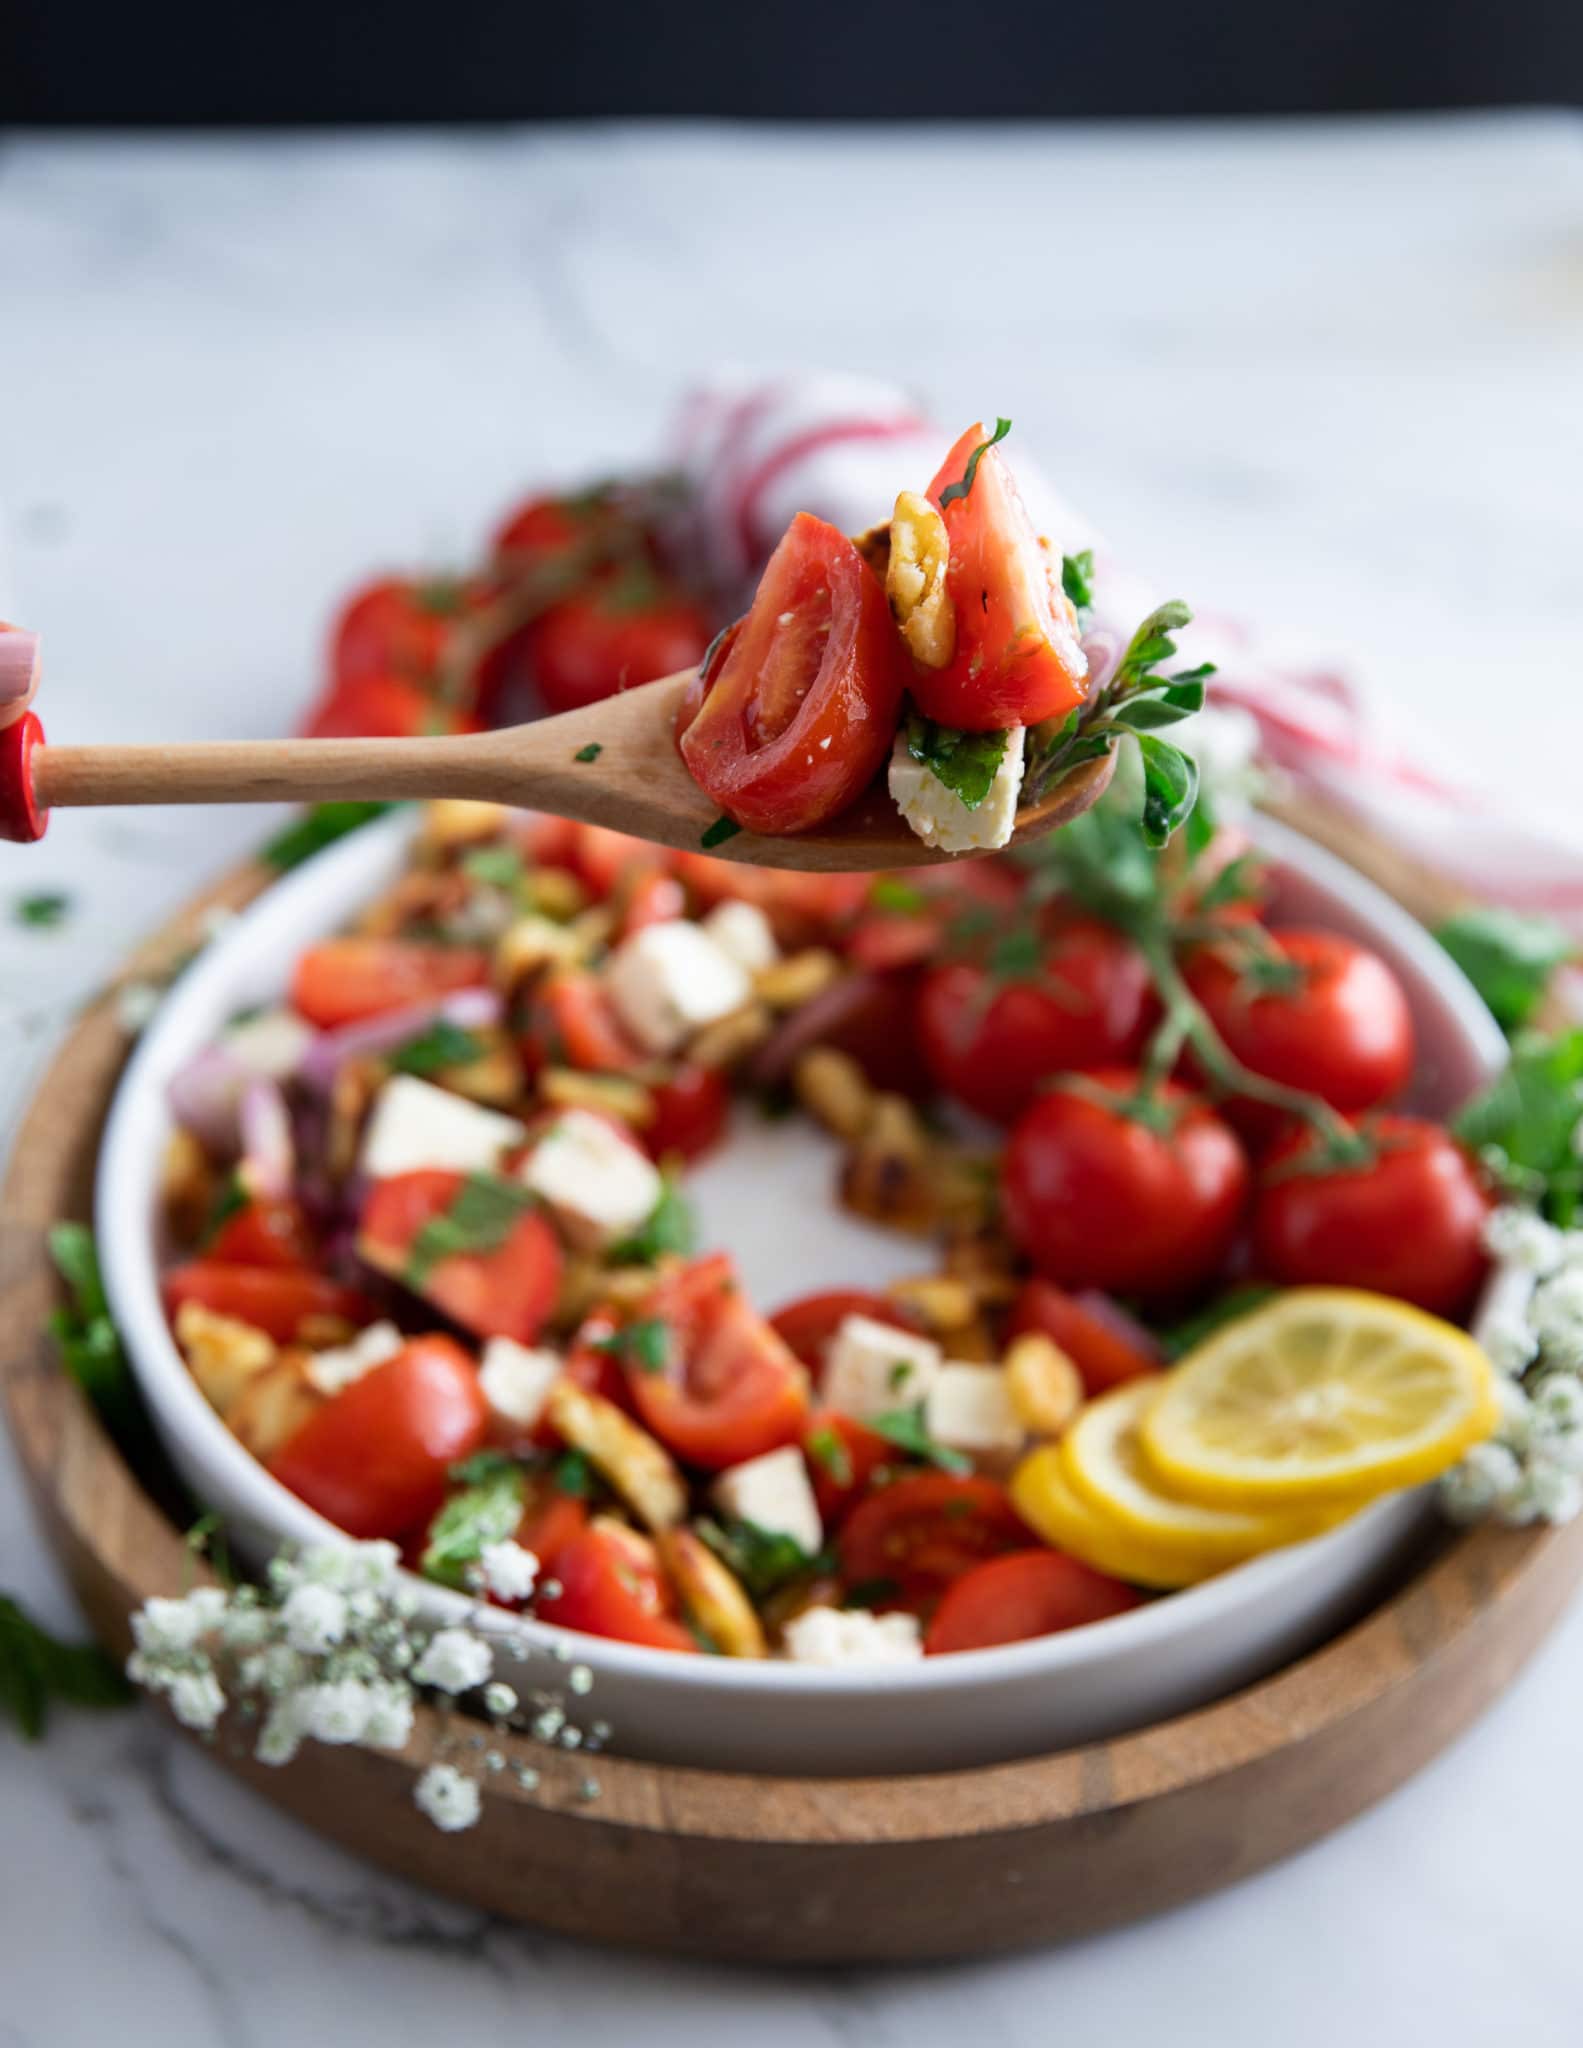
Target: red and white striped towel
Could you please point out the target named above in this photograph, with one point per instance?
(841, 447)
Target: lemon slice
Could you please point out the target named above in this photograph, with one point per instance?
(1104, 1462)
(1327, 1394)
(1049, 1503)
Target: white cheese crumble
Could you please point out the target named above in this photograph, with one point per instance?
(969, 1409)
(773, 1492)
(848, 1636)
(415, 1126)
(334, 1370)
(516, 1381)
(939, 816)
(270, 1045)
(669, 980)
(600, 1187)
(744, 932)
(871, 1369)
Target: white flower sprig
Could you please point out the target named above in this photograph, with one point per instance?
(331, 1649)
(1530, 1324)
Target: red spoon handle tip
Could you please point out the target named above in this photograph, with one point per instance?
(20, 816)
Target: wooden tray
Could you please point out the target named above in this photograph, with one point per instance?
(796, 1869)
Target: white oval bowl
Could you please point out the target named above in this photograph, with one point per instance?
(983, 1706)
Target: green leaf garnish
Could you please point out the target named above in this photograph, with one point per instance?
(1077, 578)
(960, 490)
(1525, 1125)
(443, 1045)
(870, 1593)
(763, 1559)
(1509, 959)
(719, 832)
(590, 752)
(1182, 1337)
(499, 866)
(645, 1344)
(906, 1429)
(232, 1199)
(87, 1341)
(1170, 786)
(318, 827)
(573, 1474)
(483, 1215)
(487, 1510)
(891, 893)
(828, 1447)
(669, 1227)
(45, 911)
(966, 762)
(36, 1668)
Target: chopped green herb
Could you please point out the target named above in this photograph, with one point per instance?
(443, 1045)
(1018, 955)
(670, 1227)
(870, 1593)
(1526, 1125)
(318, 827)
(763, 1559)
(36, 1669)
(907, 1430)
(591, 752)
(955, 491)
(828, 1446)
(573, 1474)
(890, 892)
(486, 1511)
(44, 912)
(645, 1344)
(483, 1215)
(498, 866)
(720, 831)
(898, 1376)
(232, 1199)
(966, 762)
(1077, 578)
(87, 1339)
(482, 1465)
(1182, 1337)
(1509, 959)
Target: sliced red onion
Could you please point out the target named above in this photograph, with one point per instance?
(808, 1026)
(470, 1009)
(204, 1097)
(268, 1156)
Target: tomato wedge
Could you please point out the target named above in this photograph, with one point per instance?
(918, 1534)
(1029, 1593)
(842, 1457)
(1018, 657)
(573, 1023)
(263, 1233)
(277, 1301)
(344, 980)
(507, 1291)
(730, 1388)
(374, 1459)
(1105, 1344)
(691, 1111)
(802, 712)
(608, 1583)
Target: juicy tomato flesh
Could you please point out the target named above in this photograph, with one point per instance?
(842, 1457)
(920, 1533)
(342, 981)
(263, 1233)
(507, 1292)
(573, 1023)
(276, 1300)
(691, 1111)
(731, 1389)
(396, 627)
(801, 711)
(1018, 657)
(1029, 1593)
(1105, 1344)
(375, 1459)
(607, 1587)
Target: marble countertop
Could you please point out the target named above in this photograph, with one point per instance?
(1325, 375)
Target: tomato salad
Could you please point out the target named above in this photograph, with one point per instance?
(436, 1265)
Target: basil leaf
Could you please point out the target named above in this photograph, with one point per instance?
(906, 1429)
(1170, 787)
(1525, 1124)
(1152, 710)
(960, 490)
(35, 1668)
(763, 1559)
(487, 1511)
(89, 1345)
(573, 1474)
(1077, 578)
(483, 1215)
(1182, 1337)
(828, 1447)
(1508, 958)
(966, 762)
(44, 912)
(443, 1045)
(669, 1227)
(645, 1344)
(318, 827)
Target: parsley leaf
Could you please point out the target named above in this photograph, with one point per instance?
(443, 1045)
(36, 1668)
(1525, 1125)
(1077, 578)
(499, 866)
(719, 832)
(894, 894)
(763, 1559)
(669, 1227)
(1170, 787)
(87, 1340)
(573, 1474)
(870, 1593)
(645, 1344)
(966, 762)
(906, 1429)
(828, 1447)
(483, 1215)
(486, 1511)
(318, 827)
(590, 752)
(960, 490)
(1508, 958)
(44, 912)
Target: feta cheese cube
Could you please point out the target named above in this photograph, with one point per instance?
(334, 1370)
(669, 980)
(848, 1636)
(516, 1381)
(744, 932)
(968, 1408)
(271, 1044)
(600, 1187)
(871, 1369)
(415, 1125)
(939, 816)
(773, 1492)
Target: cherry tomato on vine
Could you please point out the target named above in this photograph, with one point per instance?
(611, 637)
(1102, 1190)
(919, 1533)
(383, 707)
(1308, 1009)
(1028, 1593)
(398, 626)
(803, 708)
(1018, 658)
(991, 1038)
(546, 526)
(1408, 1221)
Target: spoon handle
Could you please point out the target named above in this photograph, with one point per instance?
(263, 771)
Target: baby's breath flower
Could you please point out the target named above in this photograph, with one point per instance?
(1517, 1237)
(500, 1700)
(1487, 1475)
(207, 1606)
(390, 1717)
(1556, 1317)
(246, 1628)
(337, 1712)
(451, 1801)
(1546, 1493)
(509, 1570)
(196, 1699)
(1557, 1407)
(454, 1661)
(1516, 1420)
(580, 1679)
(280, 1737)
(165, 1628)
(314, 1618)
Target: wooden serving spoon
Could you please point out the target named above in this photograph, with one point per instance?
(613, 763)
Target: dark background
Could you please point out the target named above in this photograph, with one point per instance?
(269, 62)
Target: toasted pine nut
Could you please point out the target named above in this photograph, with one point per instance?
(944, 1304)
(920, 553)
(730, 1039)
(635, 1463)
(832, 1087)
(788, 984)
(614, 1094)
